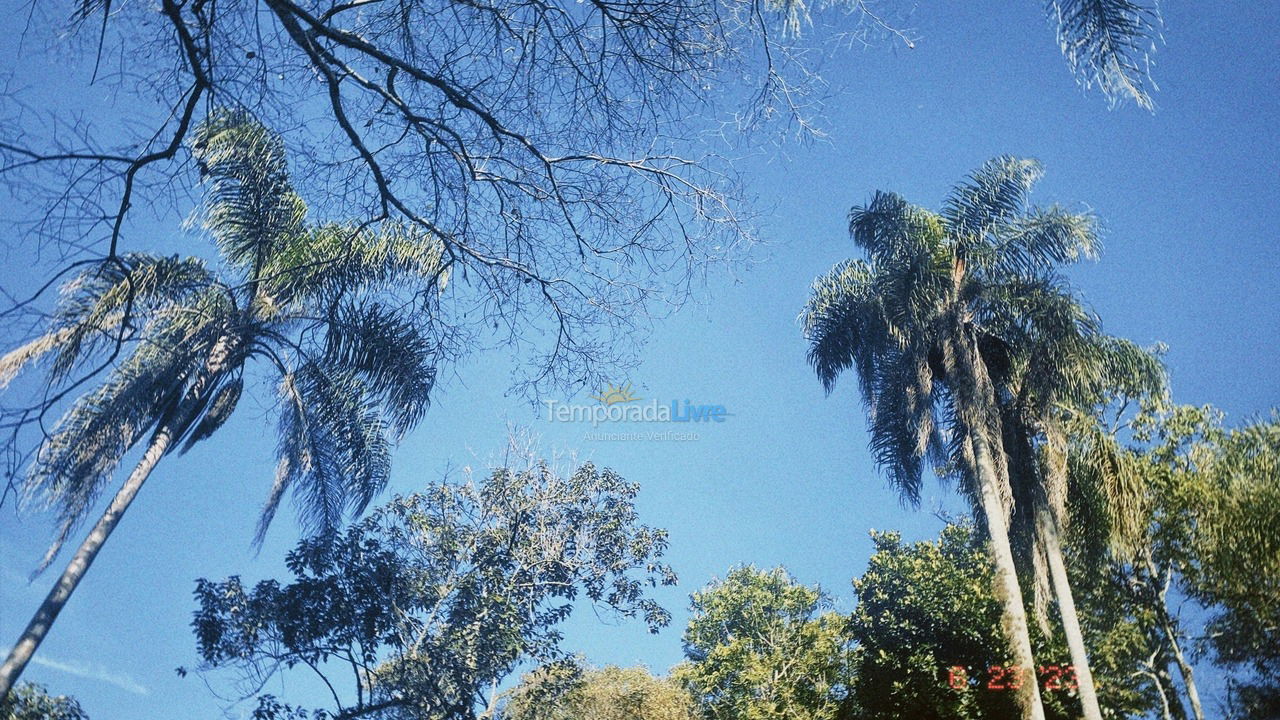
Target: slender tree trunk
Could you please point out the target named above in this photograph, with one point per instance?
(979, 397)
(1175, 648)
(1175, 704)
(1188, 675)
(88, 550)
(1050, 531)
(1008, 592)
(1048, 524)
(214, 365)
(1165, 711)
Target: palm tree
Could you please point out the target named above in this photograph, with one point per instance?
(926, 324)
(1050, 398)
(318, 305)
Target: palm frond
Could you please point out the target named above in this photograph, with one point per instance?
(1044, 238)
(1031, 310)
(390, 353)
(1108, 502)
(13, 362)
(250, 204)
(904, 427)
(1131, 371)
(87, 444)
(991, 196)
(335, 259)
(890, 229)
(1108, 44)
(130, 289)
(844, 325)
(333, 448)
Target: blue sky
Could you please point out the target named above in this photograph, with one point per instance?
(1191, 203)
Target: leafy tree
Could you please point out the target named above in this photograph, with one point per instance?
(931, 323)
(760, 646)
(1212, 525)
(30, 701)
(610, 693)
(175, 336)
(1238, 544)
(430, 602)
(927, 608)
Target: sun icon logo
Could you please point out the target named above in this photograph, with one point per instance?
(613, 394)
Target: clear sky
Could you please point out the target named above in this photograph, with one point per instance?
(1191, 201)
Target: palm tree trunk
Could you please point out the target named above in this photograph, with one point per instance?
(976, 397)
(1049, 502)
(1050, 532)
(167, 430)
(88, 550)
(1008, 592)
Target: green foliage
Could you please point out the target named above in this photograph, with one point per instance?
(927, 607)
(436, 597)
(1214, 520)
(30, 701)
(610, 693)
(760, 646)
(922, 609)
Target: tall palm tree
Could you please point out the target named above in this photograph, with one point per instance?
(1050, 398)
(320, 306)
(925, 323)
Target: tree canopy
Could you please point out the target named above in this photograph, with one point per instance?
(425, 606)
(761, 646)
(608, 693)
(929, 645)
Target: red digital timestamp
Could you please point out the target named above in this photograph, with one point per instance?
(1011, 677)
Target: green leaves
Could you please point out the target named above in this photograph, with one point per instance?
(1214, 520)
(610, 693)
(763, 647)
(926, 607)
(143, 390)
(251, 205)
(843, 323)
(341, 311)
(30, 701)
(993, 195)
(387, 350)
(97, 302)
(983, 271)
(434, 597)
(333, 448)
(317, 264)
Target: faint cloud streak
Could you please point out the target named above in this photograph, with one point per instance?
(94, 672)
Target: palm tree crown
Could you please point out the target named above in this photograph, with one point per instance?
(983, 271)
(317, 304)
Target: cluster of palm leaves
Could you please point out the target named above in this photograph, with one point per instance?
(1108, 44)
(333, 310)
(975, 356)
